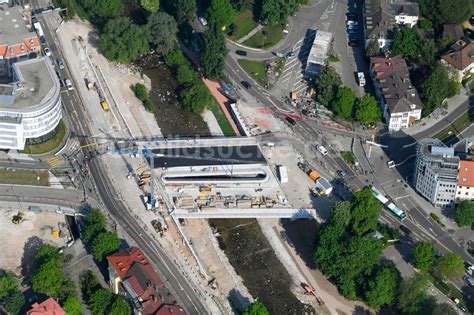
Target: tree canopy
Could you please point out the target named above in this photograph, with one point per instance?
(465, 213)
(14, 303)
(221, 13)
(100, 301)
(424, 255)
(214, 52)
(277, 11)
(444, 309)
(328, 85)
(405, 42)
(72, 305)
(343, 105)
(104, 244)
(450, 265)
(365, 212)
(101, 10)
(256, 308)
(95, 223)
(367, 110)
(8, 285)
(123, 41)
(447, 11)
(183, 10)
(120, 307)
(413, 298)
(162, 29)
(150, 5)
(437, 87)
(383, 288)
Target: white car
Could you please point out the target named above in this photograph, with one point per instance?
(47, 52)
(391, 164)
(351, 22)
(202, 20)
(361, 78)
(69, 85)
(322, 149)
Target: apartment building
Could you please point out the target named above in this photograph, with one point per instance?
(465, 188)
(460, 59)
(399, 101)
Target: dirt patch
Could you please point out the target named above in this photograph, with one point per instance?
(255, 261)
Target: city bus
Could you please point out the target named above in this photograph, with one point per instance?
(389, 205)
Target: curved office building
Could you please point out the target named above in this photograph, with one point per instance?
(30, 103)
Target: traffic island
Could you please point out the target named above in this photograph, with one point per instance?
(23, 177)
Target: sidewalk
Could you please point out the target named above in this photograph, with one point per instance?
(435, 117)
(250, 34)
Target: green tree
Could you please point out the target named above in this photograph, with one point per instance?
(150, 5)
(424, 254)
(70, 5)
(221, 13)
(50, 280)
(425, 24)
(450, 11)
(106, 243)
(343, 105)
(242, 5)
(101, 10)
(100, 301)
(367, 111)
(450, 265)
(437, 87)
(95, 220)
(196, 98)
(214, 52)
(373, 48)
(465, 213)
(47, 253)
(327, 85)
(444, 309)
(72, 305)
(277, 11)
(413, 298)
(405, 42)
(120, 307)
(426, 52)
(365, 212)
(14, 303)
(89, 284)
(186, 74)
(8, 285)
(123, 41)
(383, 288)
(183, 10)
(256, 308)
(162, 29)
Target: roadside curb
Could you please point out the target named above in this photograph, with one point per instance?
(245, 47)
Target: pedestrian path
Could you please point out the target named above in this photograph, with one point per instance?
(250, 34)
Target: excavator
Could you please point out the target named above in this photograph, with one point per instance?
(17, 218)
(311, 291)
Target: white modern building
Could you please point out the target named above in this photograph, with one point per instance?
(401, 106)
(436, 172)
(318, 54)
(406, 13)
(30, 103)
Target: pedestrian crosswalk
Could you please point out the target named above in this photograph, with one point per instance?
(54, 161)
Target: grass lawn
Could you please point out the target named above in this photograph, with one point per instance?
(455, 127)
(222, 119)
(243, 23)
(23, 177)
(256, 69)
(48, 145)
(348, 157)
(266, 38)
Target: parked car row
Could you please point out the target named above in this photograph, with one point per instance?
(352, 25)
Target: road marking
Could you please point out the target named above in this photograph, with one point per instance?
(54, 161)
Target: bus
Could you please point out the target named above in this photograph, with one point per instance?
(389, 205)
(39, 31)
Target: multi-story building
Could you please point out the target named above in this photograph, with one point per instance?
(381, 16)
(436, 172)
(401, 106)
(18, 40)
(465, 188)
(461, 60)
(318, 54)
(47, 307)
(30, 103)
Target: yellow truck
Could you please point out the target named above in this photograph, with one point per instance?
(105, 105)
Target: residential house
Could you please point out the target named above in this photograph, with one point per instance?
(401, 106)
(132, 275)
(381, 17)
(465, 187)
(461, 60)
(47, 307)
(453, 31)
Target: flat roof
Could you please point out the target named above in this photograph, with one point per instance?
(33, 82)
(13, 25)
(320, 48)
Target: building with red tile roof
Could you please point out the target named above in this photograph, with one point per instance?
(47, 307)
(461, 60)
(131, 273)
(465, 188)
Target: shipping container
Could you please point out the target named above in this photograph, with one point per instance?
(282, 173)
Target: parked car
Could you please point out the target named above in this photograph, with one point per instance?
(290, 120)
(341, 173)
(391, 164)
(47, 52)
(352, 22)
(241, 52)
(246, 85)
(353, 43)
(361, 78)
(351, 16)
(404, 229)
(60, 63)
(69, 85)
(290, 55)
(202, 20)
(469, 280)
(321, 149)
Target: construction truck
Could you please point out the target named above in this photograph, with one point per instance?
(90, 85)
(17, 218)
(313, 175)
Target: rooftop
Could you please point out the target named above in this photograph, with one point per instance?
(320, 48)
(462, 58)
(32, 84)
(455, 31)
(47, 307)
(466, 173)
(407, 8)
(394, 80)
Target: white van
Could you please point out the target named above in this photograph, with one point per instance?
(322, 149)
(361, 78)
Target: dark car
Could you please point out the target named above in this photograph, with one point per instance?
(351, 16)
(291, 121)
(353, 43)
(246, 85)
(405, 229)
(341, 173)
(241, 52)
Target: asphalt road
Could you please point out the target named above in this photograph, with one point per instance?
(187, 297)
